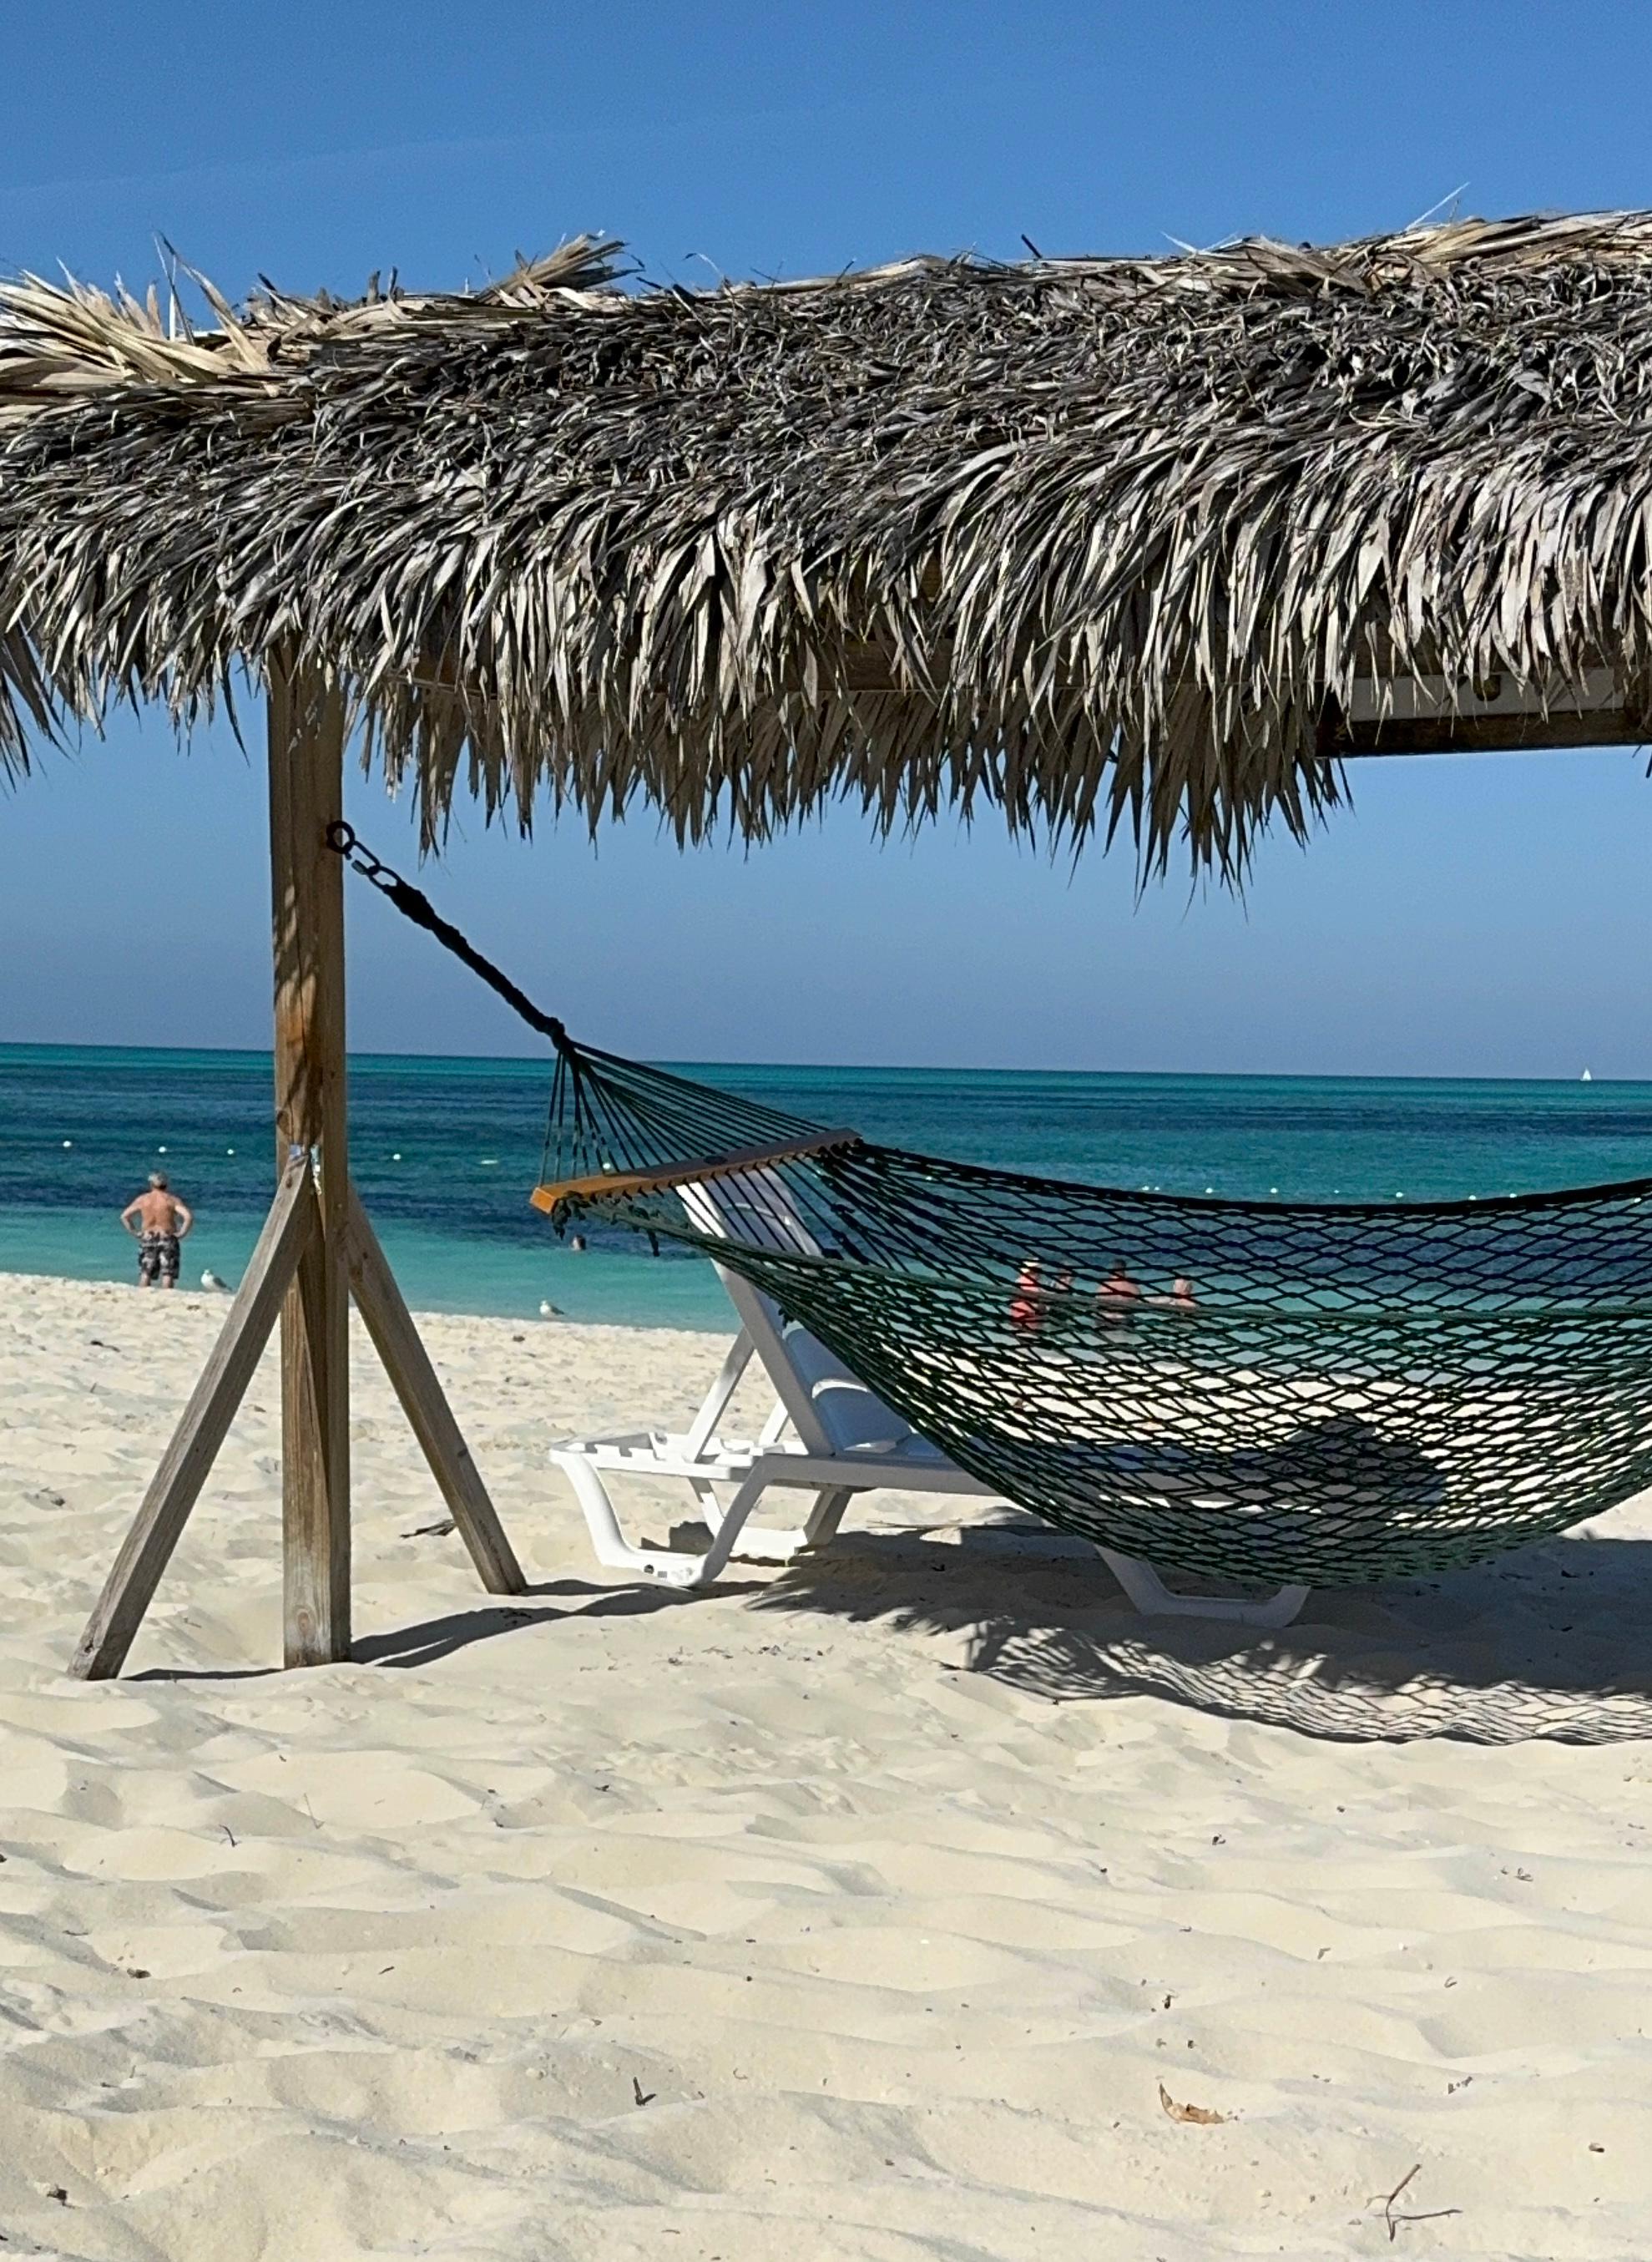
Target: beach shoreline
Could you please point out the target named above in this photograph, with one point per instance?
(444, 1151)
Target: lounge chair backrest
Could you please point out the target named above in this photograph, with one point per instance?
(754, 1207)
(831, 1409)
(851, 1414)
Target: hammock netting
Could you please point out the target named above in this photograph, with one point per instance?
(1306, 1393)
(1302, 1392)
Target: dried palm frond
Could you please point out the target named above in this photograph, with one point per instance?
(1106, 543)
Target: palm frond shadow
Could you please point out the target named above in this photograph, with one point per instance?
(1550, 1642)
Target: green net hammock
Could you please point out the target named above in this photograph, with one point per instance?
(1313, 1393)
(1305, 1392)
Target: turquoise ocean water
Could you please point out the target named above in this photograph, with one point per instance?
(445, 1151)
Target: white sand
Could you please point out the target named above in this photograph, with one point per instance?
(858, 1910)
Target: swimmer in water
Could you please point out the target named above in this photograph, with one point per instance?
(1026, 1306)
(1117, 1295)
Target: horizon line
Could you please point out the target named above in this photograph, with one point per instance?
(872, 1067)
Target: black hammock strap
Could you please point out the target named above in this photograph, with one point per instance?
(1313, 1393)
(415, 905)
(614, 1126)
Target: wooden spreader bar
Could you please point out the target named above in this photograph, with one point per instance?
(618, 1185)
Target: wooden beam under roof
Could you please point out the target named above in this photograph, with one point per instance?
(1416, 715)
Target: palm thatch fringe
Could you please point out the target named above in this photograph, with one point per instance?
(1105, 543)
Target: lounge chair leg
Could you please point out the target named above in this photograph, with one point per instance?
(760, 1544)
(610, 1544)
(820, 1525)
(672, 1567)
(707, 1500)
(725, 1539)
(1154, 1600)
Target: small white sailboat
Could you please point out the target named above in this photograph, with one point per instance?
(1585, 1077)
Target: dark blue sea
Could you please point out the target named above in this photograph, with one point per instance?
(445, 1151)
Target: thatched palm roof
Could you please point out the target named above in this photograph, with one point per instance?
(1093, 539)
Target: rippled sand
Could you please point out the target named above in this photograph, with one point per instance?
(868, 1910)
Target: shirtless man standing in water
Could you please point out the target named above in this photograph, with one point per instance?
(160, 1221)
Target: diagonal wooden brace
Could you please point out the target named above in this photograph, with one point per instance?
(289, 1231)
(429, 1416)
(290, 1227)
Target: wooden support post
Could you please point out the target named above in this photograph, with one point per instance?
(429, 1416)
(289, 1230)
(316, 1240)
(306, 782)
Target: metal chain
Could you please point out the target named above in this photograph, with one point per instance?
(343, 840)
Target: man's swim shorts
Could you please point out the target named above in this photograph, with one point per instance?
(158, 1258)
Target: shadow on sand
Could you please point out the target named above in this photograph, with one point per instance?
(1555, 1641)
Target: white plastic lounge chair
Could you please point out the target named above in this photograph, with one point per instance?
(843, 1439)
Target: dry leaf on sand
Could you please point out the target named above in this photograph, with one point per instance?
(1201, 2116)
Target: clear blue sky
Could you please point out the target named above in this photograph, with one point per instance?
(1486, 916)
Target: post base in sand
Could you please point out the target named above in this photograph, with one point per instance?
(290, 1231)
